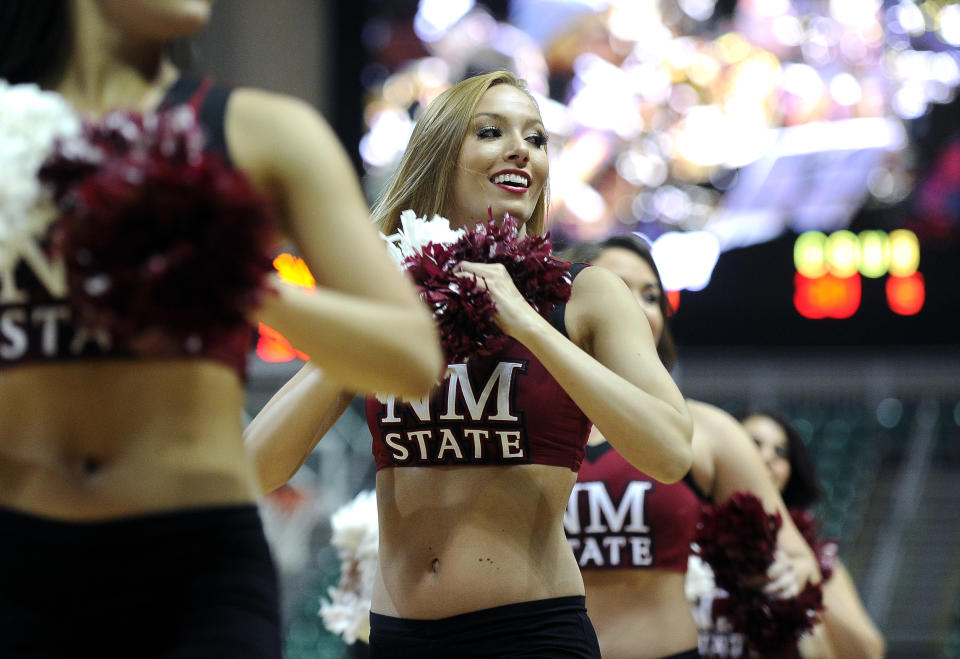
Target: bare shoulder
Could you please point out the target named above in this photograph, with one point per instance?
(267, 130)
(594, 288)
(596, 291)
(268, 110)
(717, 431)
(711, 417)
(291, 153)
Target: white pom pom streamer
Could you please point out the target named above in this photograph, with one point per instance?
(417, 232)
(414, 234)
(699, 582)
(356, 536)
(30, 122)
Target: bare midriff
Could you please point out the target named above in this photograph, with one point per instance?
(103, 440)
(639, 614)
(461, 539)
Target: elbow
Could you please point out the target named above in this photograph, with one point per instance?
(264, 468)
(677, 466)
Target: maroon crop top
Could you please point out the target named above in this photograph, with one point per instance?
(618, 517)
(36, 324)
(499, 409)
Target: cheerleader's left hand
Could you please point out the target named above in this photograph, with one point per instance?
(514, 314)
(781, 577)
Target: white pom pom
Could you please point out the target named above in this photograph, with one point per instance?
(415, 233)
(30, 122)
(356, 535)
(699, 582)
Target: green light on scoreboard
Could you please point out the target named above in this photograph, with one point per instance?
(843, 253)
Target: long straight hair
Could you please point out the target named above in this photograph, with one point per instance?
(424, 178)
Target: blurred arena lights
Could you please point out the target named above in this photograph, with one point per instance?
(745, 121)
(711, 97)
(826, 296)
(271, 345)
(905, 295)
(828, 268)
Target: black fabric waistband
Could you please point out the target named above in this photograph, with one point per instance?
(235, 516)
(463, 622)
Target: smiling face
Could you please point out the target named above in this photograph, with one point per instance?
(503, 159)
(640, 279)
(774, 447)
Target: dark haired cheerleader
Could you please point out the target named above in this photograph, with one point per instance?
(631, 533)
(127, 499)
(846, 629)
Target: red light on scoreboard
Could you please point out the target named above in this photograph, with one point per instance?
(827, 296)
(905, 295)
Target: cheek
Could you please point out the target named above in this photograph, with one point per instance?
(781, 469)
(541, 169)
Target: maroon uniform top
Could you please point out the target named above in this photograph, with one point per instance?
(618, 517)
(36, 324)
(499, 409)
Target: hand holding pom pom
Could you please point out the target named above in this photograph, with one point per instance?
(164, 243)
(738, 539)
(450, 268)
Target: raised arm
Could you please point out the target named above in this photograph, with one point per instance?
(294, 420)
(727, 461)
(365, 325)
(609, 367)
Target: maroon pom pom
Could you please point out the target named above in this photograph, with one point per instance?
(772, 627)
(464, 311)
(165, 244)
(738, 540)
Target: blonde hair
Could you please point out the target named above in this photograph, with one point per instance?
(423, 180)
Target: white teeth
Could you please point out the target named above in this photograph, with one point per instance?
(515, 179)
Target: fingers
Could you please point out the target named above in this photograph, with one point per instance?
(781, 578)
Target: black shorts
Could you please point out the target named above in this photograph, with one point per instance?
(183, 585)
(553, 629)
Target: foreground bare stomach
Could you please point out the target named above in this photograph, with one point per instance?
(460, 539)
(114, 439)
(639, 614)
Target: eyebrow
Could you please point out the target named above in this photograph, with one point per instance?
(500, 117)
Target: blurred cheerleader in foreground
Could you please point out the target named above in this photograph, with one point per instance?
(127, 499)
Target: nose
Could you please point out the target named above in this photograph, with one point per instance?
(767, 454)
(519, 152)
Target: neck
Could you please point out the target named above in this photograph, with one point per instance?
(107, 69)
